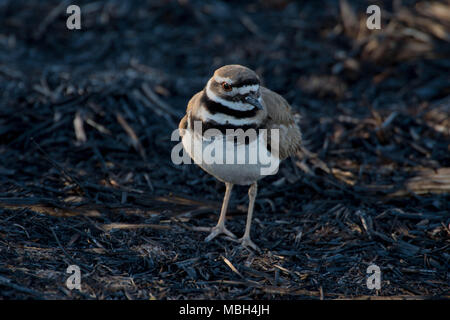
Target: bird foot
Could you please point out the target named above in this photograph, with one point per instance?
(219, 229)
(246, 242)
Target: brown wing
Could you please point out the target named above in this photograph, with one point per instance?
(191, 107)
(279, 116)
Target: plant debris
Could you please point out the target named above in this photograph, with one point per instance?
(86, 176)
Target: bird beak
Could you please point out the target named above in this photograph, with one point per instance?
(254, 102)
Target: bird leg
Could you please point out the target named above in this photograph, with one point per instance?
(220, 227)
(245, 240)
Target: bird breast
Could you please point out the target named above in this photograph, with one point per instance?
(229, 158)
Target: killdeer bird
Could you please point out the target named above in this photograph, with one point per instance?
(234, 99)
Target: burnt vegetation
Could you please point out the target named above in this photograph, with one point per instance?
(86, 175)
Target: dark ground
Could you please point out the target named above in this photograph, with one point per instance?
(86, 176)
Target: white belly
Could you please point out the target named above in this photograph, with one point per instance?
(229, 161)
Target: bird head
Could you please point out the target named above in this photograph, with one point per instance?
(235, 86)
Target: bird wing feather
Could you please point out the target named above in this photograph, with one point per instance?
(191, 108)
(279, 116)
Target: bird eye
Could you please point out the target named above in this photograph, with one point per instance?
(226, 86)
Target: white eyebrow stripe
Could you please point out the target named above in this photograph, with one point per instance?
(220, 79)
(245, 89)
(219, 118)
(235, 105)
(237, 90)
